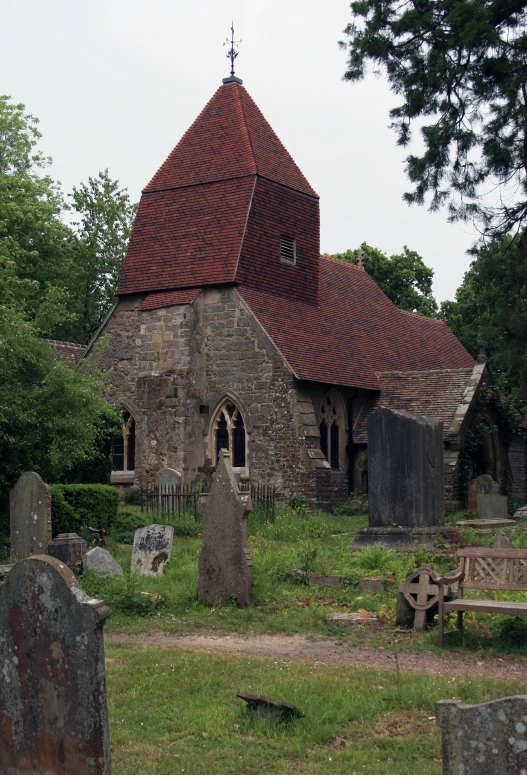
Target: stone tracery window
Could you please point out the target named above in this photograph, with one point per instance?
(229, 433)
(331, 428)
(123, 447)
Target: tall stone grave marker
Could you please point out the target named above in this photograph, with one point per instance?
(53, 711)
(30, 516)
(486, 739)
(406, 493)
(225, 569)
(152, 549)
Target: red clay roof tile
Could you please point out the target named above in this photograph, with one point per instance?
(354, 333)
(434, 393)
(169, 298)
(229, 139)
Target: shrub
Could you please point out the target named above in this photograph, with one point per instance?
(132, 497)
(91, 505)
(126, 523)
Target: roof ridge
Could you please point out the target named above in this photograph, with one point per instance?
(63, 341)
(341, 261)
(245, 129)
(420, 316)
(426, 371)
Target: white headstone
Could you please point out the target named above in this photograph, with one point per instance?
(152, 549)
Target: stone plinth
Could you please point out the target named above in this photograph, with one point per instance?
(493, 507)
(225, 570)
(486, 739)
(406, 494)
(69, 548)
(30, 516)
(53, 711)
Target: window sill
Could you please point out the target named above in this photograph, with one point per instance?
(122, 477)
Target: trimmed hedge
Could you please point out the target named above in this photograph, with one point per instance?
(126, 524)
(74, 506)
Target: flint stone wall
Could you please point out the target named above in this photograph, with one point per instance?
(53, 712)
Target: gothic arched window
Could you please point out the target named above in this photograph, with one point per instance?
(229, 433)
(123, 447)
(331, 428)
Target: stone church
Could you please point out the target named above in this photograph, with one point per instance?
(231, 331)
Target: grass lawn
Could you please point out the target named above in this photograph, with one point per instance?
(176, 711)
(282, 603)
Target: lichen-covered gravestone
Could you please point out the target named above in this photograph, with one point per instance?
(168, 478)
(152, 549)
(486, 739)
(100, 560)
(30, 516)
(225, 570)
(406, 494)
(53, 711)
(480, 486)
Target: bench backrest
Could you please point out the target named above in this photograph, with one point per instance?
(500, 569)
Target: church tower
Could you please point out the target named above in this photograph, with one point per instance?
(229, 206)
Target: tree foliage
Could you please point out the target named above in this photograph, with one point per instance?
(106, 216)
(459, 69)
(70, 269)
(403, 277)
(491, 306)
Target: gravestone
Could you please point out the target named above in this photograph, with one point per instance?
(168, 477)
(225, 570)
(417, 598)
(53, 711)
(30, 516)
(69, 548)
(493, 507)
(152, 549)
(100, 560)
(406, 493)
(521, 513)
(502, 542)
(486, 739)
(481, 485)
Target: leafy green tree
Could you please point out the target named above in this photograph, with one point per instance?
(491, 306)
(53, 419)
(459, 69)
(106, 217)
(403, 277)
(35, 245)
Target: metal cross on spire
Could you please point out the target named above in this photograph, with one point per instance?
(234, 45)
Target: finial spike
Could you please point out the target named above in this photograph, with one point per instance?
(233, 53)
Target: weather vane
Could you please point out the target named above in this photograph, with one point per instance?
(234, 45)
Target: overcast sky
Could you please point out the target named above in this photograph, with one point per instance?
(115, 84)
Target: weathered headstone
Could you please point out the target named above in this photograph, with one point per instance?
(493, 507)
(168, 477)
(406, 493)
(521, 513)
(502, 542)
(30, 516)
(53, 711)
(69, 548)
(481, 485)
(100, 560)
(486, 739)
(225, 570)
(267, 707)
(152, 549)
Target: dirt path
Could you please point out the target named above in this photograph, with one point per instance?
(330, 650)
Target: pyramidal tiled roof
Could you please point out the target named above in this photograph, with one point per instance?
(229, 139)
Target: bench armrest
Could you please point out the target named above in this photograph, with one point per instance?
(445, 580)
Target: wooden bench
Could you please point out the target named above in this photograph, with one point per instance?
(499, 570)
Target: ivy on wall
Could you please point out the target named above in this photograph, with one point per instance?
(488, 403)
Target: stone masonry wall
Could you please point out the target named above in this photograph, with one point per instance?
(165, 364)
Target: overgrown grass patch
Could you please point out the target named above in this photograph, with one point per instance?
(175, 711)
